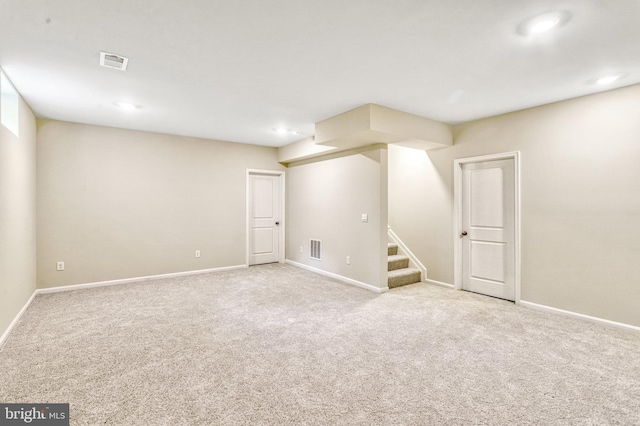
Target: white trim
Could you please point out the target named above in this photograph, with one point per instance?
(338, 277)
(134, 280)
(457, 215)
(439, 283)
(571, 314)
(282, 226)
(16, 320)
(412, 257)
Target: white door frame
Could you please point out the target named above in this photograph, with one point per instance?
(457, 215)
(281, 228)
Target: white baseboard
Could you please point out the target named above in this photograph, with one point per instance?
(338, 277)
(16, 320)
(134, 280)
(597, 320)
(438, 283)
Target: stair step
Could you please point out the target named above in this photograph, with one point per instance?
(397, 262)
(400, 277)
(392, 249)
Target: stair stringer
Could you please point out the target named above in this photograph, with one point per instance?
(413, 260)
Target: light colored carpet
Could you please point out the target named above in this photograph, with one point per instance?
(277, 345)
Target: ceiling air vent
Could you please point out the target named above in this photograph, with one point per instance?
(111, 60)
(315, 249)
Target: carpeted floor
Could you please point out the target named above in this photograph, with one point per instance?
(277, 345)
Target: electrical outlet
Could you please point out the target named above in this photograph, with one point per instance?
(59, 266)
(301, 249)
(197, 253)
(365, 218)
(348, 260)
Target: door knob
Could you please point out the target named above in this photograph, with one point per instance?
(277, 223)
(463, 233)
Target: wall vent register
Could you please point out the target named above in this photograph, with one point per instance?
(315, 249)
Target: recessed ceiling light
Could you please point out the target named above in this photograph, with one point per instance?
(542, 23)
(127, 106)
(285, 131)
(607, 79)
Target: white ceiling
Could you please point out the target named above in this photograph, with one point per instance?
(235, 69)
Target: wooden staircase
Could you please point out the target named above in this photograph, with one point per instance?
(398, 266)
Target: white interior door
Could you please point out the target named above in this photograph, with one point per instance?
(264, 218)
(488, 228)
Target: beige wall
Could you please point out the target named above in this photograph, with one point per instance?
(580, 200)
(326, 198)
(116, 203)
(420, 209)
(17, 217)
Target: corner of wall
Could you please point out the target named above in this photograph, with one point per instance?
(17, 218)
